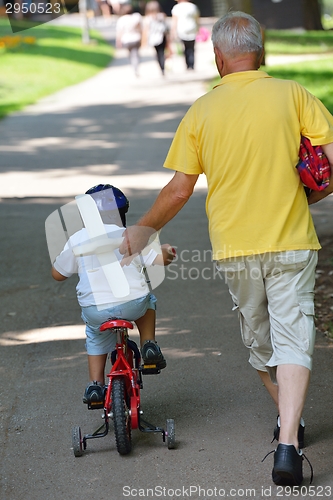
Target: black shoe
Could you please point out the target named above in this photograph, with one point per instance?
(287, 470)
(301, 431)
(94, 396)
(152, 356)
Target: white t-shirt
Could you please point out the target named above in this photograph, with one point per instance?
(129, 27)
(187, 15)
(93, 288)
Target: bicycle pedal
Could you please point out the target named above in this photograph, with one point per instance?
(150, 370)
(95, 406)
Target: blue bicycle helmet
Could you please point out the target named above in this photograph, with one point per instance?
(110, 201)
(108, 197)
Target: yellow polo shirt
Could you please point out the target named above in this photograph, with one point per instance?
(244, 136)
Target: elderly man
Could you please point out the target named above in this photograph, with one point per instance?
(244, 136)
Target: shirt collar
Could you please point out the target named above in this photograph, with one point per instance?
(242, 75)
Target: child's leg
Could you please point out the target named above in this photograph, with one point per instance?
(151, 353)
(96, 365)
(146, 326)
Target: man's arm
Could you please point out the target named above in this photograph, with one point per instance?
(319, 195)
(169, 202)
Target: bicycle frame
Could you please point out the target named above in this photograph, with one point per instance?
(125, 361)
(126, 365)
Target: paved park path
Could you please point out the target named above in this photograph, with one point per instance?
(117, 128)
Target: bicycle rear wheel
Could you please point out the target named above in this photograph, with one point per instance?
(121, 416)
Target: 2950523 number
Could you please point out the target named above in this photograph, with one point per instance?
(304, 491)
(32, 8)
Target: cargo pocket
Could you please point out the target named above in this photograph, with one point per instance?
(233, 270)
(306, 325)
(245, 331)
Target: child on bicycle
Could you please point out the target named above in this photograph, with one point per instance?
(101, 305)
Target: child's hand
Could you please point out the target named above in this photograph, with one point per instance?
(168, 252)
(135, 240)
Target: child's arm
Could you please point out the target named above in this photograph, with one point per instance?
(65, 262)
(167, 256)
(57, 276)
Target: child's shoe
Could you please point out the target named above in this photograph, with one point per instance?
(152, 355)
(94, 395)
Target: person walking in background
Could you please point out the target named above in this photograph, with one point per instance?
(105, 7)
(129, 34)
(156, 31)
(117, 4)
(185, 26)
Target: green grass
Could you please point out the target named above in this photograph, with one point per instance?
(293, 42)
(57, 59)
(317, 75)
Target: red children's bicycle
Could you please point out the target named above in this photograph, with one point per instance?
(122, 396)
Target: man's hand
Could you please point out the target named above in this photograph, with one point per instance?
(136, 238)
(169, 202)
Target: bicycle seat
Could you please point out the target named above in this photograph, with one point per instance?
(115, 323)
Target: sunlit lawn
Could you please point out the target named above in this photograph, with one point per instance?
(41, 60)
(316, 76)
(295, 42)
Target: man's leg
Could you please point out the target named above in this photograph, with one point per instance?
(293, 383)
(271, 388)
(247, 288)
(290, 294)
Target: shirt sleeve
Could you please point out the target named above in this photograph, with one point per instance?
(66, 263)
(317, 122)
(183, 152)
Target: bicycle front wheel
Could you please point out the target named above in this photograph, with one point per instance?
(121, 416)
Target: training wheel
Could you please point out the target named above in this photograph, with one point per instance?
(170, 433)
(77, 441)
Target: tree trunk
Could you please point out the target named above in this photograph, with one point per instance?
(221, 7)
(312, 15)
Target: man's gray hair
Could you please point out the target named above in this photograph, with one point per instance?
(237, 33)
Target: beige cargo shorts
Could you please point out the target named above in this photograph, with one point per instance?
(274, 296)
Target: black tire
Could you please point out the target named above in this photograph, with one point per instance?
(170, 432)
(77, 441)
(121, 416)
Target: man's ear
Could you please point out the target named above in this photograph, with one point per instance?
(218, 59)
(261, 58)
